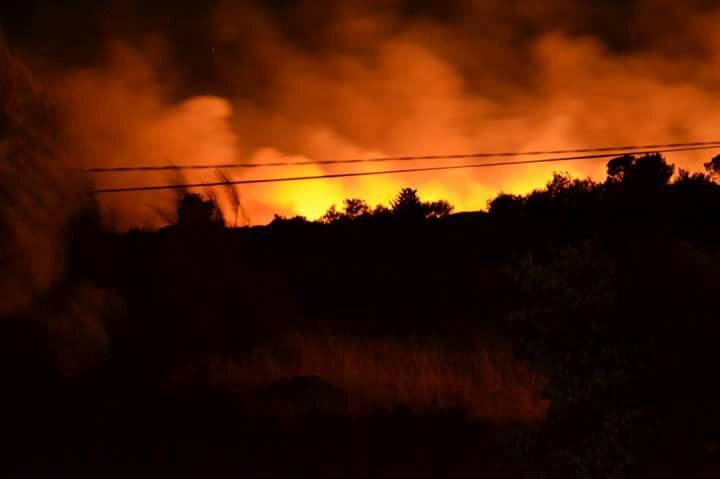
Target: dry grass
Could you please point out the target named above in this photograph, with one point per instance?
(383, 372)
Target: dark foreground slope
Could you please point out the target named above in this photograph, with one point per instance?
(402, 341)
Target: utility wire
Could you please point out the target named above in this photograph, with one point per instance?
(390, 172)
(119, 169)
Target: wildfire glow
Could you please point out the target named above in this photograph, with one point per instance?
(422, 88)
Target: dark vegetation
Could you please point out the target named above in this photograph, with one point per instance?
(606, 289)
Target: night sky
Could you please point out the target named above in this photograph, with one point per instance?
(147, 83)
(74, 33)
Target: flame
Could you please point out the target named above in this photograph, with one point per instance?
(388, 88)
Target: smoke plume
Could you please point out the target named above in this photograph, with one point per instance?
(348, 80)
(35, 200)
(39, 203)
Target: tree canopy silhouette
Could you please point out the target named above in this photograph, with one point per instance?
(713, 167)
(196, 213)
(618, 167)
(649, 171)
(407, 206)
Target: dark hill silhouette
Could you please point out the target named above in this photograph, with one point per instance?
(606, 288)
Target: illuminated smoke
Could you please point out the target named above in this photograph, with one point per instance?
(377, 81)
(35, 200)
(39, 202)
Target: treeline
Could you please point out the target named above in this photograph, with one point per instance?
(608, 288)
(638, 179)
(647, 182)
(406, 207)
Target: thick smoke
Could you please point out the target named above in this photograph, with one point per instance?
(39, 205)
(118, 114)
(344, 81)
(34, 202)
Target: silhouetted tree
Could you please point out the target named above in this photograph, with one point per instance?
(618, 167)
(407, 205)
(438, 209)
(381, 212)
(332, 215)
(196, 213)
(647, 172)
(505, 203)
(279, 220)
(692, 181)
(355, 207)
(713, 167)
(651, 170)
(560, 183)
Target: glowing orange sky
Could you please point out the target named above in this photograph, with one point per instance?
(403, 96)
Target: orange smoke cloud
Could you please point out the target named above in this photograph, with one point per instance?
(385, 87)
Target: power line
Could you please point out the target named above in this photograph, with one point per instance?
(119, 169)
(387, 172)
